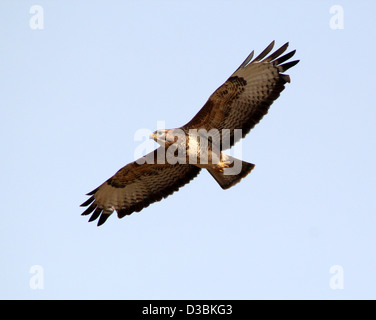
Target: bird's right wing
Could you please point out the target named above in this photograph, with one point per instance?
(137, 185)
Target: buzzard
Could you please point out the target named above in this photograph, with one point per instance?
(228, 115)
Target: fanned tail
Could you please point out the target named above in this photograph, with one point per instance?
(228, 177)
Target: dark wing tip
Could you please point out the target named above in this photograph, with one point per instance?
(277, 53)
(284, 58)
(92, 192)
(246, 61)
(102, 219)
(87, 202)
(95, 214)
(271, 58)
(89, 210)
(265, 52)
(288, 65)
(98, 212)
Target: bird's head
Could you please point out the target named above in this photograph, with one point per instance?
(160, 136)
(167, 137)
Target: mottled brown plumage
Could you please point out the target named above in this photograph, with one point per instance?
(136, 186)
(240, 103)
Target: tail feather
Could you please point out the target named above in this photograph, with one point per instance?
(231, 176)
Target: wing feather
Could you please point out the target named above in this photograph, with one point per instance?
(243, 100)
(247, 60)
(277, 53)
(284, 57)
(263, 54)
(137, 185)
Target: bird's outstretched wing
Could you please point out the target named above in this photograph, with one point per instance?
(242, 101)
(137, 185)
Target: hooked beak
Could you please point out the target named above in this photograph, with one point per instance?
(153, 136)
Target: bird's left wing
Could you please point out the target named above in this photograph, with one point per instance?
(137, 185)
(242, 101)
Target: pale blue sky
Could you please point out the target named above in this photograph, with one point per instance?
(74, 94)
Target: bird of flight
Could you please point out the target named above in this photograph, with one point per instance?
(228, 115)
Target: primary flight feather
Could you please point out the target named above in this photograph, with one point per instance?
(236, 106)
